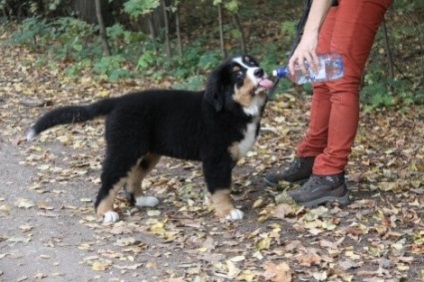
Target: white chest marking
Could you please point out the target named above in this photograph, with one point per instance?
(249, 138)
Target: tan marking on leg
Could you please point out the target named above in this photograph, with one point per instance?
(135, 177)
(222, 202)
(234, 151)
(137, 174)
(107, 203)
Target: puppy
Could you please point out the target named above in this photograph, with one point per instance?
(216, 126)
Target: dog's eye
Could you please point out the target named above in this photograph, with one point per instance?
(239, 74)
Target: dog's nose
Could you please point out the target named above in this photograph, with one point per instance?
(259, 73)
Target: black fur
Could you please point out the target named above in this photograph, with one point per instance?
(188, 125)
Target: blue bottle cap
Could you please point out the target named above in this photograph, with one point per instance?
(280, 72)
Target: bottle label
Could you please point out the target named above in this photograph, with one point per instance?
(321, 75)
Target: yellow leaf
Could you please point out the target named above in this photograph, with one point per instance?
(100, 266)
(5, 208)
(263, 244)
(247, 275)
(233, 270)
(387, 186)
(24, 203)
(257, 203)
(328, 225)
(352, 255)
(158, 228)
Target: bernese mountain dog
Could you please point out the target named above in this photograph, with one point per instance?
(216, 126)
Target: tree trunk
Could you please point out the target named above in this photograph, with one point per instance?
(152, 31)
(221, 32)
(103, 36)
(155, 20)
(177, 26)
(388, 51)
(236, 22)
(86, 11)
(165, 17)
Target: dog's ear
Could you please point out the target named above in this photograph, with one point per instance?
(215, 88)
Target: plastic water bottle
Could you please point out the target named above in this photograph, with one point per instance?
(330, 68)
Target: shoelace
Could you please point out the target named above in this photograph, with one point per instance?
(312, 182)
(315, 181)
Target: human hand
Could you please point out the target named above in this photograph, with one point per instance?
(305, 51)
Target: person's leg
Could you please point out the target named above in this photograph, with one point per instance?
(316, 138)
(355, 26)
(356, 23)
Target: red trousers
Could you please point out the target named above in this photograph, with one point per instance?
(349, 29)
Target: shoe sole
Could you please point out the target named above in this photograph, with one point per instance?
(273, 184)
(344, 200)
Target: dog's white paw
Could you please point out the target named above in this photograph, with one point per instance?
(146, 201)
(110, 216)
(235, 214)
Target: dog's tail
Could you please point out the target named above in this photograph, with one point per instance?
(71, 114)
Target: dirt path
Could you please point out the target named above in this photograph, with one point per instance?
(43, 236)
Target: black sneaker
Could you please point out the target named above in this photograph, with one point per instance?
(299, 170)
(320, 189)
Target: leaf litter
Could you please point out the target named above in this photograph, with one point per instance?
(379, 237)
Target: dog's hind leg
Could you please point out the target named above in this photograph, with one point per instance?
(116, 168)
(135, 178)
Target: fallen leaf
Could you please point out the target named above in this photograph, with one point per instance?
(24, 203)
(308, 259)
(233, 270)
(277, 273)
(100, 265)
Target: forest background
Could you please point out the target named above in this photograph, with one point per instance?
(180, 41)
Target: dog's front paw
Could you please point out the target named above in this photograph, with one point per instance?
(235, 214)
(110, 216)
(224, 208)
(146, 201)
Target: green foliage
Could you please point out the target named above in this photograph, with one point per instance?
(77, 43)
(64, 38)
(194, 83)
(137, 8)
(53, 5)
(33, 31)
(207, 61)
(74, 70)
(112, 67)
(73, 35)
(3, 4)
(146, 60)
(380, 91)
(289, 27)
(231, 6)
